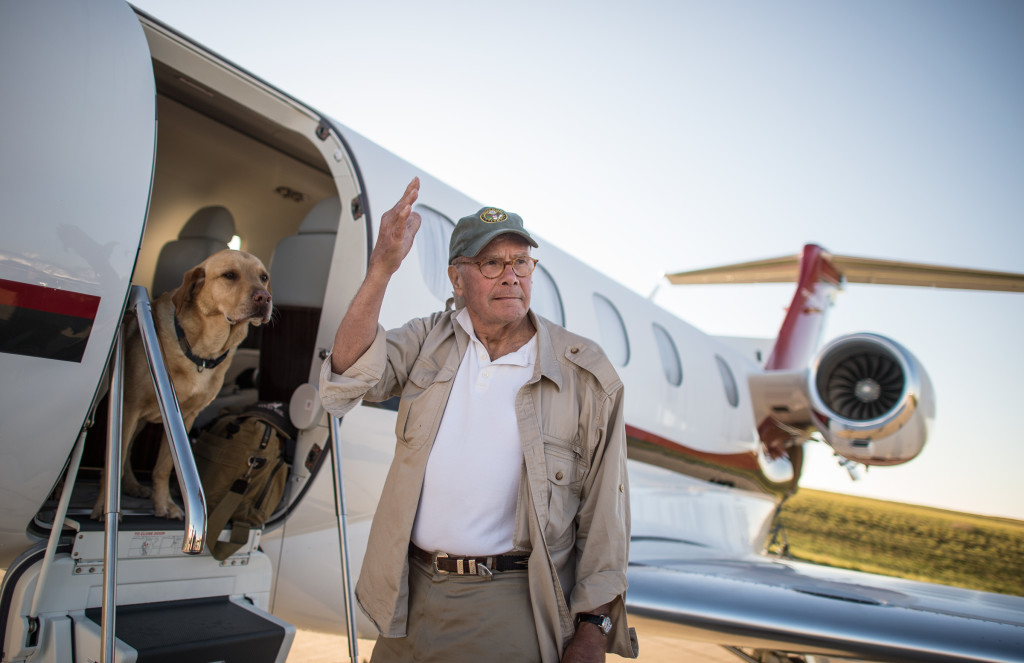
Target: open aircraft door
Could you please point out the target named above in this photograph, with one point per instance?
(78, 93)
(78, 141)
(88, 205)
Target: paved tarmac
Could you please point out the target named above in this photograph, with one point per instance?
(311, 647)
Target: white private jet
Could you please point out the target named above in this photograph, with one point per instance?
(129, 153)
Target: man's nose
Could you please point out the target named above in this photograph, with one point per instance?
(509, 276)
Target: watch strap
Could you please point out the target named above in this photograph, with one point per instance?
(602, 622)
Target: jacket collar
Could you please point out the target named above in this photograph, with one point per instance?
(547, 365)
(547, 362)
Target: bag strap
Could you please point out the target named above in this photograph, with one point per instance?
(283, 427)
(217, 520)
(221, 550)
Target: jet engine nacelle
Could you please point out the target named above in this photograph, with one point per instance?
(871, 399)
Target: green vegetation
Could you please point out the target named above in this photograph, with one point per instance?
(915, 542)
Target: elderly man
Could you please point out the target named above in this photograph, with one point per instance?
(502, 533)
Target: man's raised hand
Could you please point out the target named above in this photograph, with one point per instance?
(398, 227)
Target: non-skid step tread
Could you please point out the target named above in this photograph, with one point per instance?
(196, 631)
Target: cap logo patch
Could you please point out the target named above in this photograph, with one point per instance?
(493, 215)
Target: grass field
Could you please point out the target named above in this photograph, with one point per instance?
(915, 542)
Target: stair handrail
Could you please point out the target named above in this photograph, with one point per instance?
(181, 451)
(112, 502)
(342, 513)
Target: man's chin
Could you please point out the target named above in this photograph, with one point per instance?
(505, 314)
(511, 307)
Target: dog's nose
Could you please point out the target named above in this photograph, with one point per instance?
(261, 297)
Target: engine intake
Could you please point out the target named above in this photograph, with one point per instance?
(871, 399)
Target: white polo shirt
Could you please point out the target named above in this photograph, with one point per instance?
(470, 489)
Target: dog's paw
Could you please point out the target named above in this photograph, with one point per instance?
(136, 489)
(168, 510)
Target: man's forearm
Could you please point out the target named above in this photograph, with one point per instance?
(398, 227)
(359, 326)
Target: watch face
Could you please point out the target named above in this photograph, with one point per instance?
(606, 624)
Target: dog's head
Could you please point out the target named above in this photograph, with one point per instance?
(233, 283)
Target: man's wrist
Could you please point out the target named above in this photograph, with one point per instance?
(602, 623)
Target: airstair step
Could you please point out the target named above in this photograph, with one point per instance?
(197, 631)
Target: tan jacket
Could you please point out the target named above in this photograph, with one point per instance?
(573, 509)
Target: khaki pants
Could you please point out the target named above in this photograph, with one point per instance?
(464, 619)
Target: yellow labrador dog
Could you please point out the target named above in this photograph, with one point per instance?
(199, 326)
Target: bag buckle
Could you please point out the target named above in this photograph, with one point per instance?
(255, 463)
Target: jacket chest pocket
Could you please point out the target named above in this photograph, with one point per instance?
(422, 403)
(564, 467)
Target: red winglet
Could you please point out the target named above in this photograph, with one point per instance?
(801, 330)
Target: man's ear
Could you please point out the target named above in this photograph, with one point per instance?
(191, 284)
(455, 276)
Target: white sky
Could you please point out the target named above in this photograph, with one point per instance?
(649, 137)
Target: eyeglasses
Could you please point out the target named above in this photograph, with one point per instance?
(492, 268)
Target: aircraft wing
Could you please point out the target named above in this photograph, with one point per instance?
(779, 605)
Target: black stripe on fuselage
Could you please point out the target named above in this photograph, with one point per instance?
(34, 333)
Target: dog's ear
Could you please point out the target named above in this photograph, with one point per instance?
(190, 285)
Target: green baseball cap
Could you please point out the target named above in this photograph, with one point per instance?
(472, 233)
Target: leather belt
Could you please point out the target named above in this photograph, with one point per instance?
(482, 566)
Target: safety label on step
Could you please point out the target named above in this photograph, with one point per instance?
(155, 544)
(90, 547)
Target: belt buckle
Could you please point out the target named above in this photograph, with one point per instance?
(438, 555)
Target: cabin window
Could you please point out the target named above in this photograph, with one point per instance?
(670, 362)
(612, 330)
(732, 394)
(544, 298)
(432, 242)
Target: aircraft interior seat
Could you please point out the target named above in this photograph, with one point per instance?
(298, 269)
(207, 231)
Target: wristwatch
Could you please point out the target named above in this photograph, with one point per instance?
(603, 622)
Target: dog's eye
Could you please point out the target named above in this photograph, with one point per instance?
(264, 277)
(230, 276)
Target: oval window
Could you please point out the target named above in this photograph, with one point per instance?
(544, 297)
(432, 242)
(612, 330)
(732, 394)
(670, 363)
